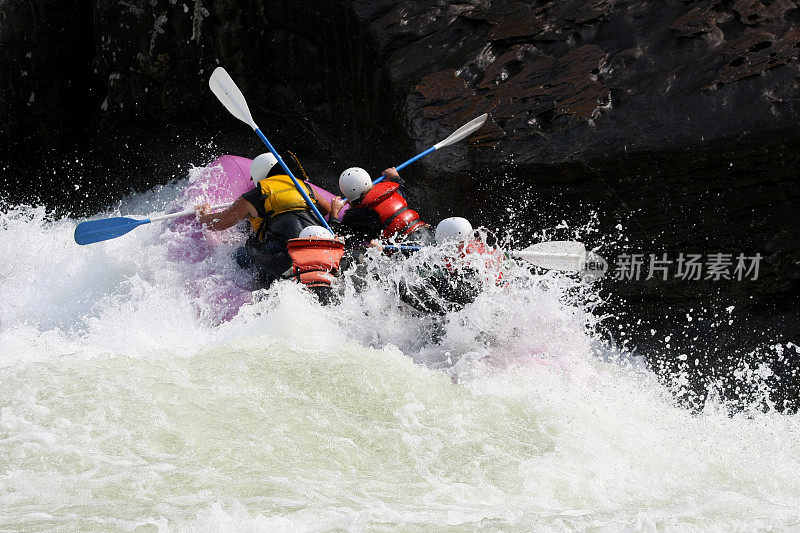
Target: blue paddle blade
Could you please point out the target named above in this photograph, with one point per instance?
(103, 230)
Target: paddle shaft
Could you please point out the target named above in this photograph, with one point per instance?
(520, 255)
(404, 247)
(536, 258)
(184, 213)
(294, 180)
(544, 255)
(404, 165)
(461, 133)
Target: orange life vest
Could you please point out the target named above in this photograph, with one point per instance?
(315, 261)
(393, 211)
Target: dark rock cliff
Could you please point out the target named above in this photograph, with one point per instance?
(677, 121)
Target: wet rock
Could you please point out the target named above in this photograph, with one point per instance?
(518, 21)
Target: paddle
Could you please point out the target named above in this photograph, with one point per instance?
(110, 228)
(223, 86)
(567, 256)
(461, 133)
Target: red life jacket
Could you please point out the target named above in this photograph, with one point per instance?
(395, 216)
(315, 261)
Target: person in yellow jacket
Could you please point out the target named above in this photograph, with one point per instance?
(277, 213)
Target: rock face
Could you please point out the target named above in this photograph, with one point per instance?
(563, 81)
(677, 120)
(586, 80)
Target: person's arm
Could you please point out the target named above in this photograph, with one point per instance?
(323, 205)
(391, 174)
(335, 207)
(240, 210)
(375, 243)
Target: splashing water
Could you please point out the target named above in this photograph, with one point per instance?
(129, 401)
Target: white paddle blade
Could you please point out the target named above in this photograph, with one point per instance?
(223, 86)
(463, 132)
(567, 256)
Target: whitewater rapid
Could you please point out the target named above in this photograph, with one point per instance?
(130, 402)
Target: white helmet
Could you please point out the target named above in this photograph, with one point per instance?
(453, 229)
(315, 232)
(354, 182)
(261, 166)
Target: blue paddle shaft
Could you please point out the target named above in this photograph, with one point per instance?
(294, 180)
(404, 247)
(404, 165)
